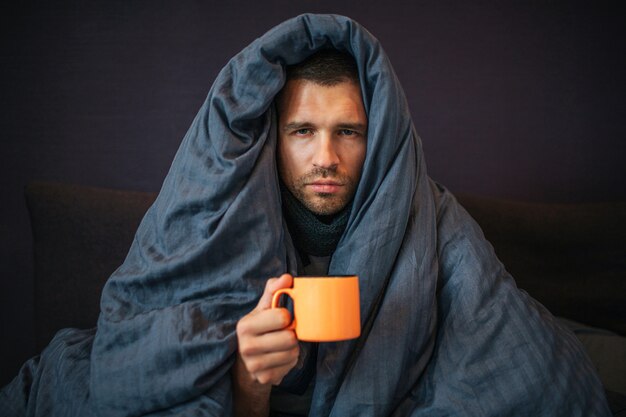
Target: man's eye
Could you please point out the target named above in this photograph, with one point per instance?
(302, 132)
(347, 132)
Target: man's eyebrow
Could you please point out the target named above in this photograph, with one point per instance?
(296, 125)
(353, 126)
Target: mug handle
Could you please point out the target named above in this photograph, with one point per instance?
(275, 299)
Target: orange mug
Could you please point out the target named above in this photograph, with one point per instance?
(326, 308)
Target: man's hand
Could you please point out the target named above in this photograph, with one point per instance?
(267, 351)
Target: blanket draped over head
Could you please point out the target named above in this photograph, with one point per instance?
(445, 330)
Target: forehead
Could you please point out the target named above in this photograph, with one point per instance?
(304, 98)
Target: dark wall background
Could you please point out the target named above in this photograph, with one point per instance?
(512, 99)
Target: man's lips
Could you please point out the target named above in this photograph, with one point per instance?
(325, 186)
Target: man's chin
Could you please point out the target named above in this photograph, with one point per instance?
(324, 204)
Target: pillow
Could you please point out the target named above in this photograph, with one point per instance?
(607, 351)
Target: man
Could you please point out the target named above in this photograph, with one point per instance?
(322, 140)
(184, 327)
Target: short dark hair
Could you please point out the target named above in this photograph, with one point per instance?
(326, 67)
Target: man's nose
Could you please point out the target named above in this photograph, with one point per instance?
(326, 155)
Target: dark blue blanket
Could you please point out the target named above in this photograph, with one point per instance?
(449, 333)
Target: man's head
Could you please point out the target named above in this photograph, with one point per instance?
(322, 131)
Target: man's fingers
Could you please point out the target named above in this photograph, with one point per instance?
(275, 375)
(273, 285)
(263, 323)
(269, 361)
(276, 341)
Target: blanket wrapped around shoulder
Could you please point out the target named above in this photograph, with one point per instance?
(445, 330)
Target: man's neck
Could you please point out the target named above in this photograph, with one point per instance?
(312, 234)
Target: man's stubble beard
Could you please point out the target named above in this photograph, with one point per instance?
(323, 204)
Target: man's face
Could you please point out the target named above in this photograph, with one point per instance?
(322, 138)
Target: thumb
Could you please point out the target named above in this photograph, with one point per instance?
(273, 285)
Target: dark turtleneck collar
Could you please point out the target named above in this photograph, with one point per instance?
(312, 234)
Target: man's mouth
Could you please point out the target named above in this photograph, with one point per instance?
(325, 186)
